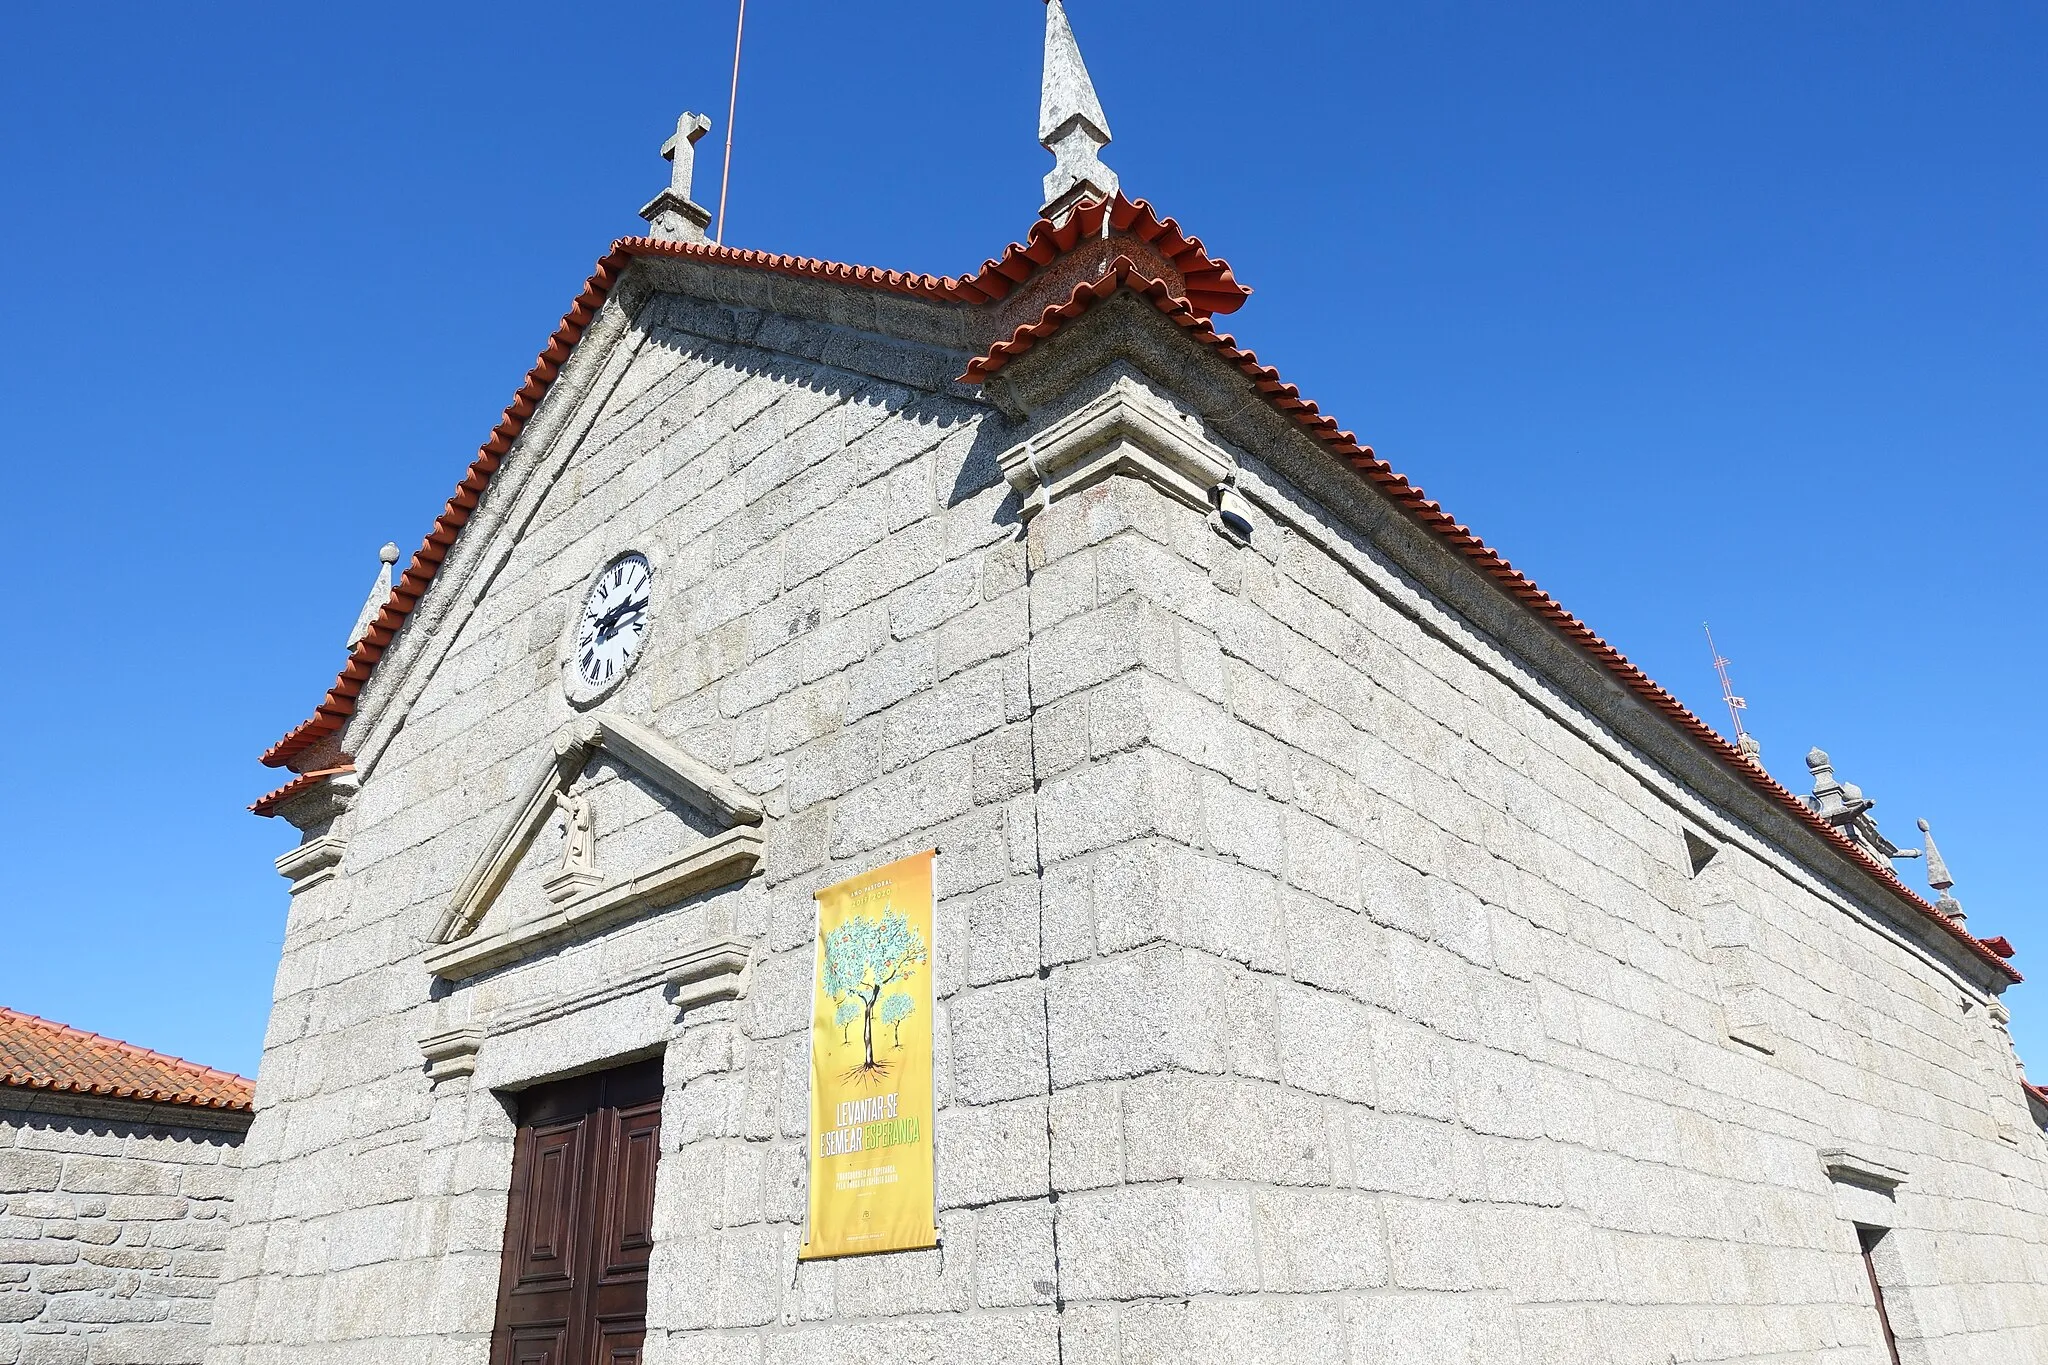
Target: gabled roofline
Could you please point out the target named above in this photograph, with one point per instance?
(1211, 288)
(340, 702)
(997, 278)
(1287, 399)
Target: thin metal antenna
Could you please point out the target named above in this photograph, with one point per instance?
(731, 111)
(1736, 705)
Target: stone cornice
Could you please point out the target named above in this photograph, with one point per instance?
(313, 862)
(632, 744)
(718, 861)
(1117, 432)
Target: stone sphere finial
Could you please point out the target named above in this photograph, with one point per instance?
(389, 554)
(1817, 759)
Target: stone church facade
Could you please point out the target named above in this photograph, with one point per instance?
(1342, 953)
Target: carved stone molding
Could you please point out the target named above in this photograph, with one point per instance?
(1845, 1166)
(718, 861)
(1864, 1189)
(1120, 432)
(709, 973)
(451, 1054)
(632, 1011)
(313, 862)
(324, 798)
(588, 900)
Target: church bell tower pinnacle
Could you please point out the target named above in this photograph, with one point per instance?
(1071, 124)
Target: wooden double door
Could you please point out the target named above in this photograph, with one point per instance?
(581, 1223)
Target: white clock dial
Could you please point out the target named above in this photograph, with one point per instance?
(615, 618)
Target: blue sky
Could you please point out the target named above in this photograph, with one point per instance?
(1698, 312)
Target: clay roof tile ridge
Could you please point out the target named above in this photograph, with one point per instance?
(41, 1054)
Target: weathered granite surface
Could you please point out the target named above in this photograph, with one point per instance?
(113, 1222)
(1323, 967)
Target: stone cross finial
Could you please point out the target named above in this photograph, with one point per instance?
(1939, 879)
(1071, 124)
(380, 592)
(673, 215)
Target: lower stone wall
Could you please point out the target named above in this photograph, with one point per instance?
(112, 1225)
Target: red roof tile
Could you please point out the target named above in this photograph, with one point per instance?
(340, 702)
(2039, 1093)
(1210, 289)
(36, 1054)
(298, 786)
(1210, 285)
(1289, 401)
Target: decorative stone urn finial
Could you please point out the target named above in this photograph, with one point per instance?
(1071, 124)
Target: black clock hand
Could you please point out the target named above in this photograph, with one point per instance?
(619, 613)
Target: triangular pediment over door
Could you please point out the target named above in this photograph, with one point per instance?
(519, 900)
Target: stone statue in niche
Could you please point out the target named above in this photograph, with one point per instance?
(577, 872)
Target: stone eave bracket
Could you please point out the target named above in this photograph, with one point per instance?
(313, 862)
(452, 1054)
(1847, 1167)
(713, 972)
(1120, 432)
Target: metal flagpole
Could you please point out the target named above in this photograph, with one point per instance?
(731, 110)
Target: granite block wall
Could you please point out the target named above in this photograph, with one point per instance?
(840, 627)
(1388, 1015)
(1315, 981)
(112, 1233)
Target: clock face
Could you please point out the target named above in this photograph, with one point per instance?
(614, 622)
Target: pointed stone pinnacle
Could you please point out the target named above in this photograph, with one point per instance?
(1940, 878)
(380, 592)
(1937, 867)
(1071, 124)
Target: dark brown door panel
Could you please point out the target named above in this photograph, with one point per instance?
(550, 1212)
(579, 1224)
(540, 1345)
(629, 1226)
(621, 1345)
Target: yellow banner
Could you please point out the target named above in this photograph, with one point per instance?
(871, 1065)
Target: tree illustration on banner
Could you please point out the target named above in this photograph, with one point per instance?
(895, 1009)
(849, 1010)
(865, 956)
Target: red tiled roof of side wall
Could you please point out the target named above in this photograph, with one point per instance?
(36, 1054)
(340, 701)
(1123, 274)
